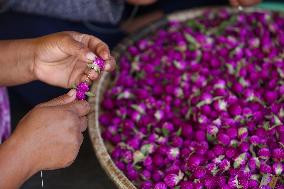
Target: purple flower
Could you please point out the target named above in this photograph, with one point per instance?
(278, 168)
(235, 109)
(264, 168)
(242, 133)
(173, 153)
(270, 96)
(177, 141)
(194, 161)
(254, 139)
(223, 138)
(225, 165)
(199, 172)
(278, 153)
(230, 152)
(146, 185)
(240, 160)
(212, 130)
(160, 185)
(146, 175)
(244, 147)
(83, 86)
(80, 95)
(131, 172)
(157, 175)
(264, 153)
(253, 163)
(186, 185)
(172, 180)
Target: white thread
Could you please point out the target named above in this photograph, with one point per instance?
(41, 179)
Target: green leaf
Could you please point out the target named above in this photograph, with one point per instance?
(210, 138)
(165, 132)
(138, 167)
(157, 130)
(191, 40)
(240, 160)
(146, 149)
(138, 157)
(177, 187)
(149, 126)
(178, 133)
(277, 121)
(192, 47)
(188, 173)
(90, 94)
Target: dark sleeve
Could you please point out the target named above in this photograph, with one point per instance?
(104, 11)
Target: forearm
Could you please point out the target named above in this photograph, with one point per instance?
(15, 165)
(16, 60)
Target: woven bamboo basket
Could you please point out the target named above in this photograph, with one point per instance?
(105, 82)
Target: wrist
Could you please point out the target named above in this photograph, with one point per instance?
(25, 57)
(19, 159)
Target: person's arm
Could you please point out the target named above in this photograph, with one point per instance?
(244, 2)
(47, 138)
(16, 62)
(15, 164)
(58, 59)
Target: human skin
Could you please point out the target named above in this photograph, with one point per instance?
(58, 59)
(50, 135)
(244, 2)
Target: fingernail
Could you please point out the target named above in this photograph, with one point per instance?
(108, 67)
(91, 56)
(105, 55)
(71, 93)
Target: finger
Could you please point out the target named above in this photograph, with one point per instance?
(80, 139)
(234, 3)
(80, 107)
(92, 74)
(93, 43)
(61, 100)
(86, 79)
(249, 2)
(110, 64)
(102, 50)
(84, 123)
(73, 47)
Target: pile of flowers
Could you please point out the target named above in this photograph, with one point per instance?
(200, 104)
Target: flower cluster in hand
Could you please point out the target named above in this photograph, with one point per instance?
(200, 104)
(82, 89)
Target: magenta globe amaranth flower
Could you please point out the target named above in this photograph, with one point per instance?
(172, 180)
(82, 91)
(160, 185)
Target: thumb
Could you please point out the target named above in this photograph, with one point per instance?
(62, 100)
(79, 107)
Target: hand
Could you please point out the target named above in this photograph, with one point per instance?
(51, 133)
(61, 59)
(141, 2)
(244, 2)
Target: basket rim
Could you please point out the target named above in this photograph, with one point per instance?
(117, 176)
